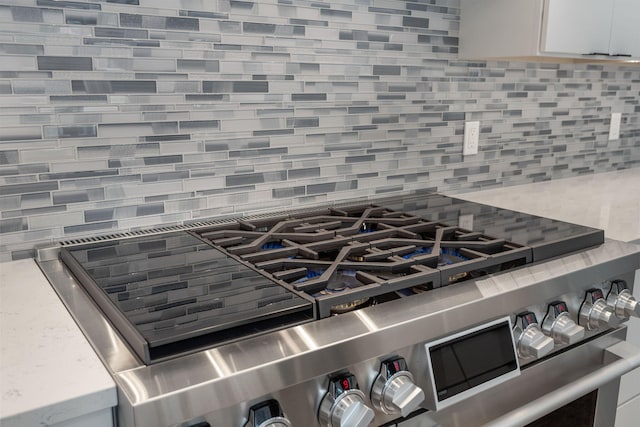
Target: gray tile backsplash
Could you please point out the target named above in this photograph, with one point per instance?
(125, 114)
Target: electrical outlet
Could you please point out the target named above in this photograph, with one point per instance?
(471, 138)
(614, 127)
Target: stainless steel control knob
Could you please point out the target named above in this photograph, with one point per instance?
(394, 391)
(531, 341)
(559, 325)
(267, 414)
(621, 301)
(343, 405)
(594, 312)
(276, 422)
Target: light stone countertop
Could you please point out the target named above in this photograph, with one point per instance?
(609, 201)
(49, 373)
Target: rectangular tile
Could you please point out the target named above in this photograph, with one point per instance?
(303, 122)
(137, 129)
(15, 63)
(165, 176)
(134, 64)
(308, 96)
(159, 22)
(13, 225)
(124, 33)
(64, 63)
(77, 174)
(8, 157)
(20, 133)
(41, 87)
(452, 116)
(83, 17)
(256, 27)
(288, 193)
(50, 155)
(113, 86)
(410, 21)
(34, 14)
(95, 227)
(76, 99)
(78, 196)
(335, 13)
(199, 124)
(35, 187)
(68, 4)
(70, 131)
(387, 70)
(212, 66)
(235, 87)
(204, 14)
(303, 173)
(21, 49)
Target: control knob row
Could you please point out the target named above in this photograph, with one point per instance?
(535, 340)
(596, 311)
(393, 392)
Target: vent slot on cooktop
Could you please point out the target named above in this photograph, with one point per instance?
(171, 294)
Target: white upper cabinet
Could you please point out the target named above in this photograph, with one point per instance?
(586, 29)
(577, 26)
(625, 28)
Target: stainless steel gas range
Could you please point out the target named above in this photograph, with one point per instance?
(423, 308)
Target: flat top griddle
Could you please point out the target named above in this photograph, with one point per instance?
(171, 293)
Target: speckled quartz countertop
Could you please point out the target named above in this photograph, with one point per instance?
(49, 374)
(610, 201)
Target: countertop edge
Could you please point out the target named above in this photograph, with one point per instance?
(49, 373)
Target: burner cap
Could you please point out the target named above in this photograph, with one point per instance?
(343, 280)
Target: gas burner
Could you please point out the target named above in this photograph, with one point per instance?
(345, 256)
(340, 282)
(272, 245)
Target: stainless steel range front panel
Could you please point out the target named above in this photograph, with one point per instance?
(293, 364)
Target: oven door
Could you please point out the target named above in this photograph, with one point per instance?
(577, 388)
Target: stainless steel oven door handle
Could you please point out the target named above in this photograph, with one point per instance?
(628, 359)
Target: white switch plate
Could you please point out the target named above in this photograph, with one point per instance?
(614, 128)
(466, 221)
(471, 138)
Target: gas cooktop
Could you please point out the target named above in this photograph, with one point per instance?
(177, 292)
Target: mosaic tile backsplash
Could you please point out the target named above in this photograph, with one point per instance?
(128, 114)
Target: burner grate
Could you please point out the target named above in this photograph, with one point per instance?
(379, 250)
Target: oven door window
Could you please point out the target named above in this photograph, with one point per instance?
(579, 413)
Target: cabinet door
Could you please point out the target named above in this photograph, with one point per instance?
(577, 26)
(625, 28)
